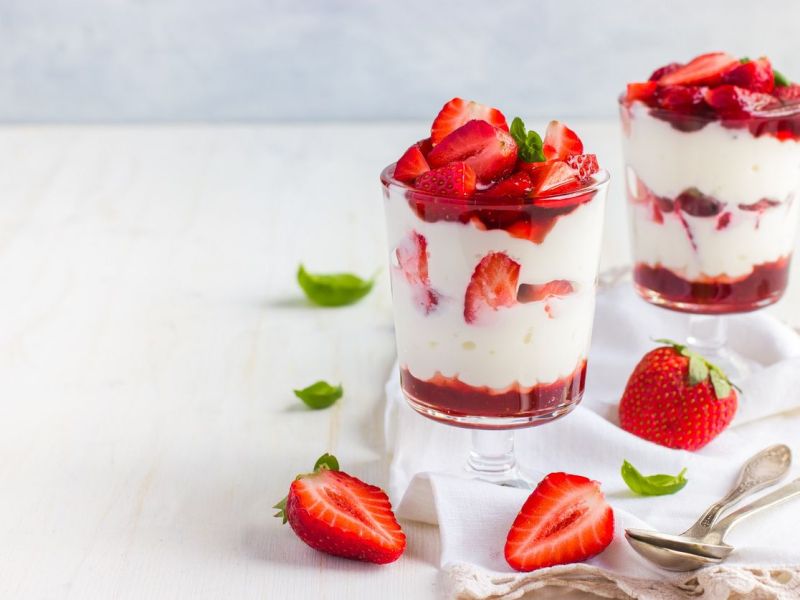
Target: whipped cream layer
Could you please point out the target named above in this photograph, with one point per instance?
(526, 344)
(731, 165)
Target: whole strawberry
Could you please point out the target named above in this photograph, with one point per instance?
(676, 398)
(341, 515)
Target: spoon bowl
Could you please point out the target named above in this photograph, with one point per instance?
(669, 559)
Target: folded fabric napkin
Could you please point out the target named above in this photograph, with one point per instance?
(474, 517)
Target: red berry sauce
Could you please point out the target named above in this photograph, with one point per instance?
(764, 286)
(451, 397)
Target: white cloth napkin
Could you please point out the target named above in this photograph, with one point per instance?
(474, 517)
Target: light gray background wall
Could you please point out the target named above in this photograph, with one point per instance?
(230, 60)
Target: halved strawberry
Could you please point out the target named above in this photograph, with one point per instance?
(412, 260)
(517, 185)
(553, 177)
(493, 285)
(341, 515)
(490, 151)
(560, 141)
(734, 102)
(585, 164)
(457, 112)
(456, 179)
(565, 520)
(665, 70)
(754, 75)
(641, 91)
(411, 165)
(536, 292)
(788, 94)
(706, 69)
(681, 98)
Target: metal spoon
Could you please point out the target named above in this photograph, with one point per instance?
(681, 554)
(762, 470)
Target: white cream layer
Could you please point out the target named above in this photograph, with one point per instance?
(520, 344)
(732, 166)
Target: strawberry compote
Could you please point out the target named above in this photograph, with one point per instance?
(494, 238)
(713, 170)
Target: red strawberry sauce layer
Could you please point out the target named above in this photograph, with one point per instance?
(764, 286)
(454, 398)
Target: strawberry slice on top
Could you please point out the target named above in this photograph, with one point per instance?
(338, 514)
(561, 142)
(455, 179)
(706, 69)
(585, 164)
(411, 165)
(493, 285)
(565, 520)
(553, 177)
(457, 112)
(489, 150)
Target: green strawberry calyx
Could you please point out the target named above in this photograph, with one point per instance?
(326, 462)
(701, 370)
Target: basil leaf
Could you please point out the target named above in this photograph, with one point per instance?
(338, 289)
(326, 461)
(320, 394)
(780, 79)
(652, 485)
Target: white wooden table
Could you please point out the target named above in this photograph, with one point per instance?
(151, 333)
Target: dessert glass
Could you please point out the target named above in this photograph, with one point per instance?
(713, 212)
(493, 369)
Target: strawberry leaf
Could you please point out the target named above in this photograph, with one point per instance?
(281, 514)
(651, 485)
(698, 369)
(529, 143)
(722, 387)
(337, 289)
(320, 394)
(326, 461)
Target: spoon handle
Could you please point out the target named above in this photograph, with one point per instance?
(760, 471)
(780, 495)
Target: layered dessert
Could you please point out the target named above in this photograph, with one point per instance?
(713, 168)
(494, 238)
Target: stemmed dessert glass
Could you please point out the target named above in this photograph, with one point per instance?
(493, 307)
(713, 211)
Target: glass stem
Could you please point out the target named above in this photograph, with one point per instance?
(492, 455)
(707, 334)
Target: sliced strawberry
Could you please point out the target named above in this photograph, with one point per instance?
(681, 98)
(456, 179)
(733, 102)
(565, 520)
(585, 164)
(412, 260)
(788, 94)
(665, 70)
(560, 141)
(754, 75)
(641, 91)
(490, 151)
(517, 185)
(457, 112)
(411, 165)
(536, 292)
(554, 177)
(493, 285)
(706, 69)
(341, 515)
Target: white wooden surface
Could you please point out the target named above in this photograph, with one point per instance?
(151, 332)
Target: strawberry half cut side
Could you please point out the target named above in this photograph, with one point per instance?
(457, 112)
(493, 286)
(706, 69)
(340, 515)
(560, 141)
(565, 520)
(411, 165)
(412, 260)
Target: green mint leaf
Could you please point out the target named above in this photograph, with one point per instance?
(320, 394)
(338, 289)
(722, 387)
(698, 369)
(281, 514)
(529, 143)
(326, 461)
(780, 79)
(651, 485)
(744, 60)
